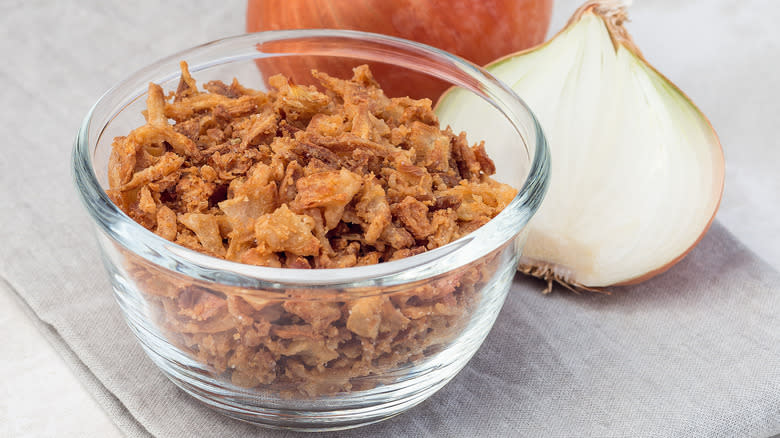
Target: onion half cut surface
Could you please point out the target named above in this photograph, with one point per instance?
(637, 169)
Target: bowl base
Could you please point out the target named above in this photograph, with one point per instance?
(343, 411)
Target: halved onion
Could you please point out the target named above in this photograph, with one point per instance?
(637, 169)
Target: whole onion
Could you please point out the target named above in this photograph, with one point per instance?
(477, 30)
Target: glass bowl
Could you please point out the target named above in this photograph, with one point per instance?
(318, 349)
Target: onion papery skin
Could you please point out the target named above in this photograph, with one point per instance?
(477, 30)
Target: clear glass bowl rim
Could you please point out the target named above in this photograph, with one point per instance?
(144, 243)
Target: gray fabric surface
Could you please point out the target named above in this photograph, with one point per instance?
(695, 352)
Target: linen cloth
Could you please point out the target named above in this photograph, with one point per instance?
(694, 352)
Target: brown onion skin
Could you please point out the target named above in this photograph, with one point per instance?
(477, 30)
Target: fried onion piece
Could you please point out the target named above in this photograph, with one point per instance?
(361, 88)
(206, 227)
(155, 106)
(219, 87)
(187, 86)
(464, 156)
(404, 111)
(486, 164)
(373, 210)
(365, 125)
(414, 215)
(148, 134)
(407, 180)
(432, 147)
(166, 223)
(199, 304)
(237, 88)
(365, 317)
(259, 256)
(327, 125)
(121, 162)
(444, 224)
(298, 101)
(397, 237)
(480, 200)
(348, 142)
(283, 230)
(167, 164)
(250, 198)
(293, 261)
(331, 191)
(261, 124)
(190, 106)
(146, 202)
(194, 193)
(370, 316)
(287, 190)
(315, 155)
(320, 314)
